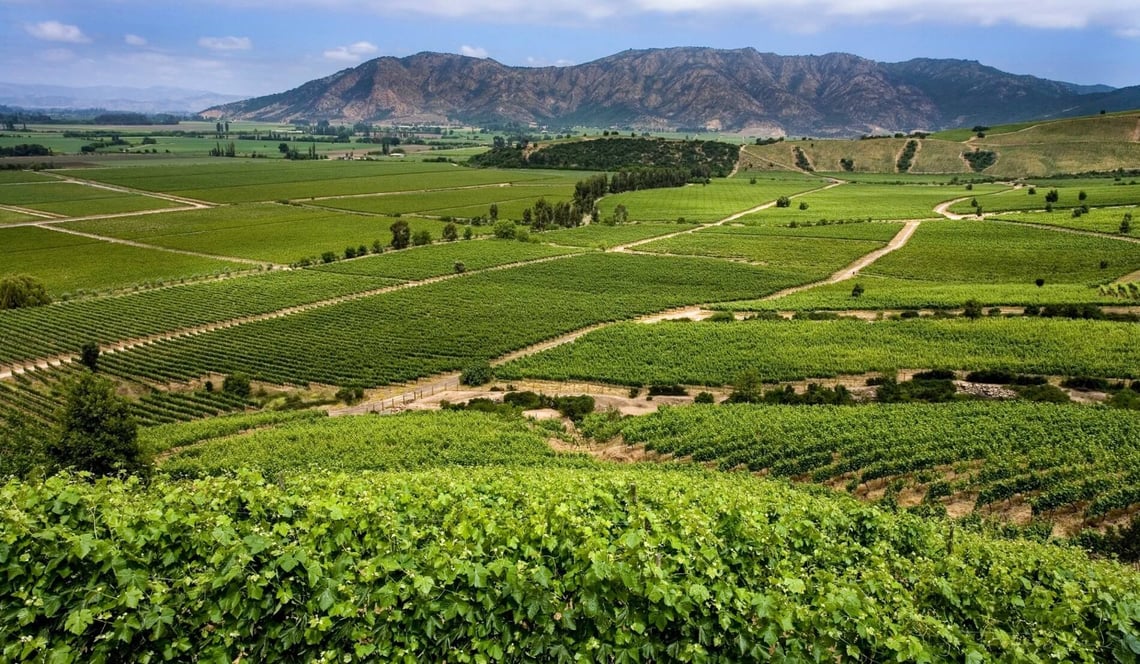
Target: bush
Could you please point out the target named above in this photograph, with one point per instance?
(89, 355)
(96, 431)
(1047, 393)
(1088, 383)
(667, 391)
(421, 238)
(477, 373)
(704, 397)
(23, 452)
(350, 394)
(19, 291)
(972, 309)
(505, 229)
(721, 317)
(934, 374)
(238, 385)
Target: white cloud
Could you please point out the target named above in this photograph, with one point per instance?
(353, 52)
(135, 40)
(1128, 33)
(226, 43)
(473, 51)
(56, 31)
(1118, 15)
(532, 61)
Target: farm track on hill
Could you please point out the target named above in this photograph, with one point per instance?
(729, 219)
(852, 270)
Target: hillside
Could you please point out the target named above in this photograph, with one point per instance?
(835, 94)
(1097, 143)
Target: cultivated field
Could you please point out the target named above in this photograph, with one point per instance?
(921, 503)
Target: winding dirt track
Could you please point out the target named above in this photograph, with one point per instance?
(851, 271)
(434, 384)
(729, 219)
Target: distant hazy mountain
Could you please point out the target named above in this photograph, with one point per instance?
(139, 100)
(763, 93)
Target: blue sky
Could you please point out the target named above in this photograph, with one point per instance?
(254, 47)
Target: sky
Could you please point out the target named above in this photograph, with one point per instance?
(256, 47)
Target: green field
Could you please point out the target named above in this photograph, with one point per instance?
(254, 181)
(440, 203)
(405, 442)
(716, 353)
(1056, 457)
(989, 253)
(72, 200)
(811, 256)
(705, 203)
(890, 293)
(72, 264)
(65, 326)
(268, 232)
(9, 217)
(262, 529)
(1100, 220)
(430, 261)
(534, 564)
(600, 236)
(1098, 194)
(445, 326)
(21, 176)
(868, 201)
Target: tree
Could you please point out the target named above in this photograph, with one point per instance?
(1126, 224)
(505, 230)
(96, 432)
(283, 148)
(621, 214)
(972, 309)
(22, 447)
(857, 291)
(377, 247)
(478, 373)
(401, 234)
(20, 291)
(746, 387)
(451, 232)
(493, 212)
(89, 355)
(422, 237)
(468, 233)
(783, 202)
(459, 267)
(1040, 282)
(238, 385)
(1082, 195)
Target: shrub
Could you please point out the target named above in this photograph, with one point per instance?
(96, 431)
(238, 385)
(19, 291)
(477, 373)
(704, 397)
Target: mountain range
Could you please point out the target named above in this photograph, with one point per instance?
(112, 98)
(743, 90)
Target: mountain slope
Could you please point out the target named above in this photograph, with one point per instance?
(743, 89)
